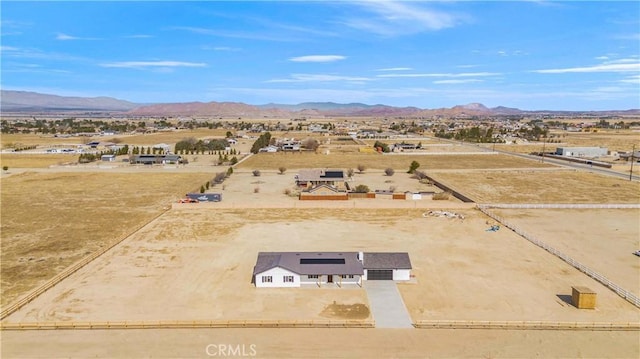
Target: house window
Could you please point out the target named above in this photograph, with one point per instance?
(288, 278)
(345, 276)
(312, 276)
(267, 279)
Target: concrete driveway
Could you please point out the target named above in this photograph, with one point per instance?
(387, 306)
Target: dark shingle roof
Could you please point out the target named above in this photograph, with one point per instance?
(292, 262)
(387, 261)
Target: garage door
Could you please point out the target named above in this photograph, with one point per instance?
(379, 274)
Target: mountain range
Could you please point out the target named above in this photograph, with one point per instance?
(31, 102)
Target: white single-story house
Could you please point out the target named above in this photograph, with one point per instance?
(295, 269)
(108, 158)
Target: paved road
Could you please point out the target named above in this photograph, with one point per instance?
(387, 306)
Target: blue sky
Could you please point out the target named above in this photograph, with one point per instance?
(532, 55)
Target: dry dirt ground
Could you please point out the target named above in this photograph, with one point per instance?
(321, 343)
(535, 186)
(601, 239)
(51, 220)
(191, 264)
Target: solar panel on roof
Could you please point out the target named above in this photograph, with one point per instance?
(322, 261)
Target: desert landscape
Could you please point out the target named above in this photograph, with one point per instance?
(191, 262)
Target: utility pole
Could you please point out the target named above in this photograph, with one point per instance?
(633, 151)
(543, 147)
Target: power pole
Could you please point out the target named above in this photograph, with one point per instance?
(633, 151)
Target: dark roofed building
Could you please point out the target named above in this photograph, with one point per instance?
(293, 269)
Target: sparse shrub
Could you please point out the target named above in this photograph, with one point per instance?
(282, 170)
(207, 185)
(392, 189)
(5, 168)
(256, 189)
(361, 188)
(287, 191)
(219, 178)
(361, 168)
(310, 144)
(442, 196)
(229, 171)
(389, 171)
(202, 189)
(350, 172)
(234, 160)
(413, 167)
(256, 173)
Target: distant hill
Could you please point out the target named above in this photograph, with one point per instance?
(23, 101)
(32, 102)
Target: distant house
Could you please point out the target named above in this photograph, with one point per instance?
(295, 269)
(108, 158)
(314, 177)
(270, 149)
(155, 159)
(165, 148)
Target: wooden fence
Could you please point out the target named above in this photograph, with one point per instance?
(525, 325)
(190, 324)
(11, 308)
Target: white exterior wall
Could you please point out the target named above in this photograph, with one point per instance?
(277, 275)
(401, 274)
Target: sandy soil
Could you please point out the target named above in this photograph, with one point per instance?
(534, 186)
(190, 265)
(601, 239)
(322, 343)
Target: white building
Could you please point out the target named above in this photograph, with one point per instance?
(581, 151)
(294, 269)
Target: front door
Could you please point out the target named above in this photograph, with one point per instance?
(329, 278)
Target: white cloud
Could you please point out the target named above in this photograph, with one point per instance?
(455, 82)
(392, 18)
(463, 74)
(396, 69)
(615, 67)
(320, 78)
(318, 58)
(144, 64)
(64, 37)
(631, 80)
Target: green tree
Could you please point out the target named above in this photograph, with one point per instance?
(414, 166)
(382, 145)
(234, 160)
(202, 189)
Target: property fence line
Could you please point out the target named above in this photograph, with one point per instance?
(447, 153)
(561, 206)
(190, 324)
(525, 325)
(630, 297)
(11, 308)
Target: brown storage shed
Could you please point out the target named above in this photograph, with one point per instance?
(583, 298)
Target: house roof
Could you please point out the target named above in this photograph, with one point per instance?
(321, 175)
(310, 263)
(387, 261)
(332, 189)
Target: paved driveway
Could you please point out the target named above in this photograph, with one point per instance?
(387, 305)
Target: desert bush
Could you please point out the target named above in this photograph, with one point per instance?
(350, 172)
(5, 168)
(234, 160)
(413, 167)
(256, 189)
(219, 177)
(442, 196)
(202, 189)
(392, 189)
(282, 170)
(229, 171)
(361, 188)
(310, 144)
(256, 173)
(361, 168)
(389, 171)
